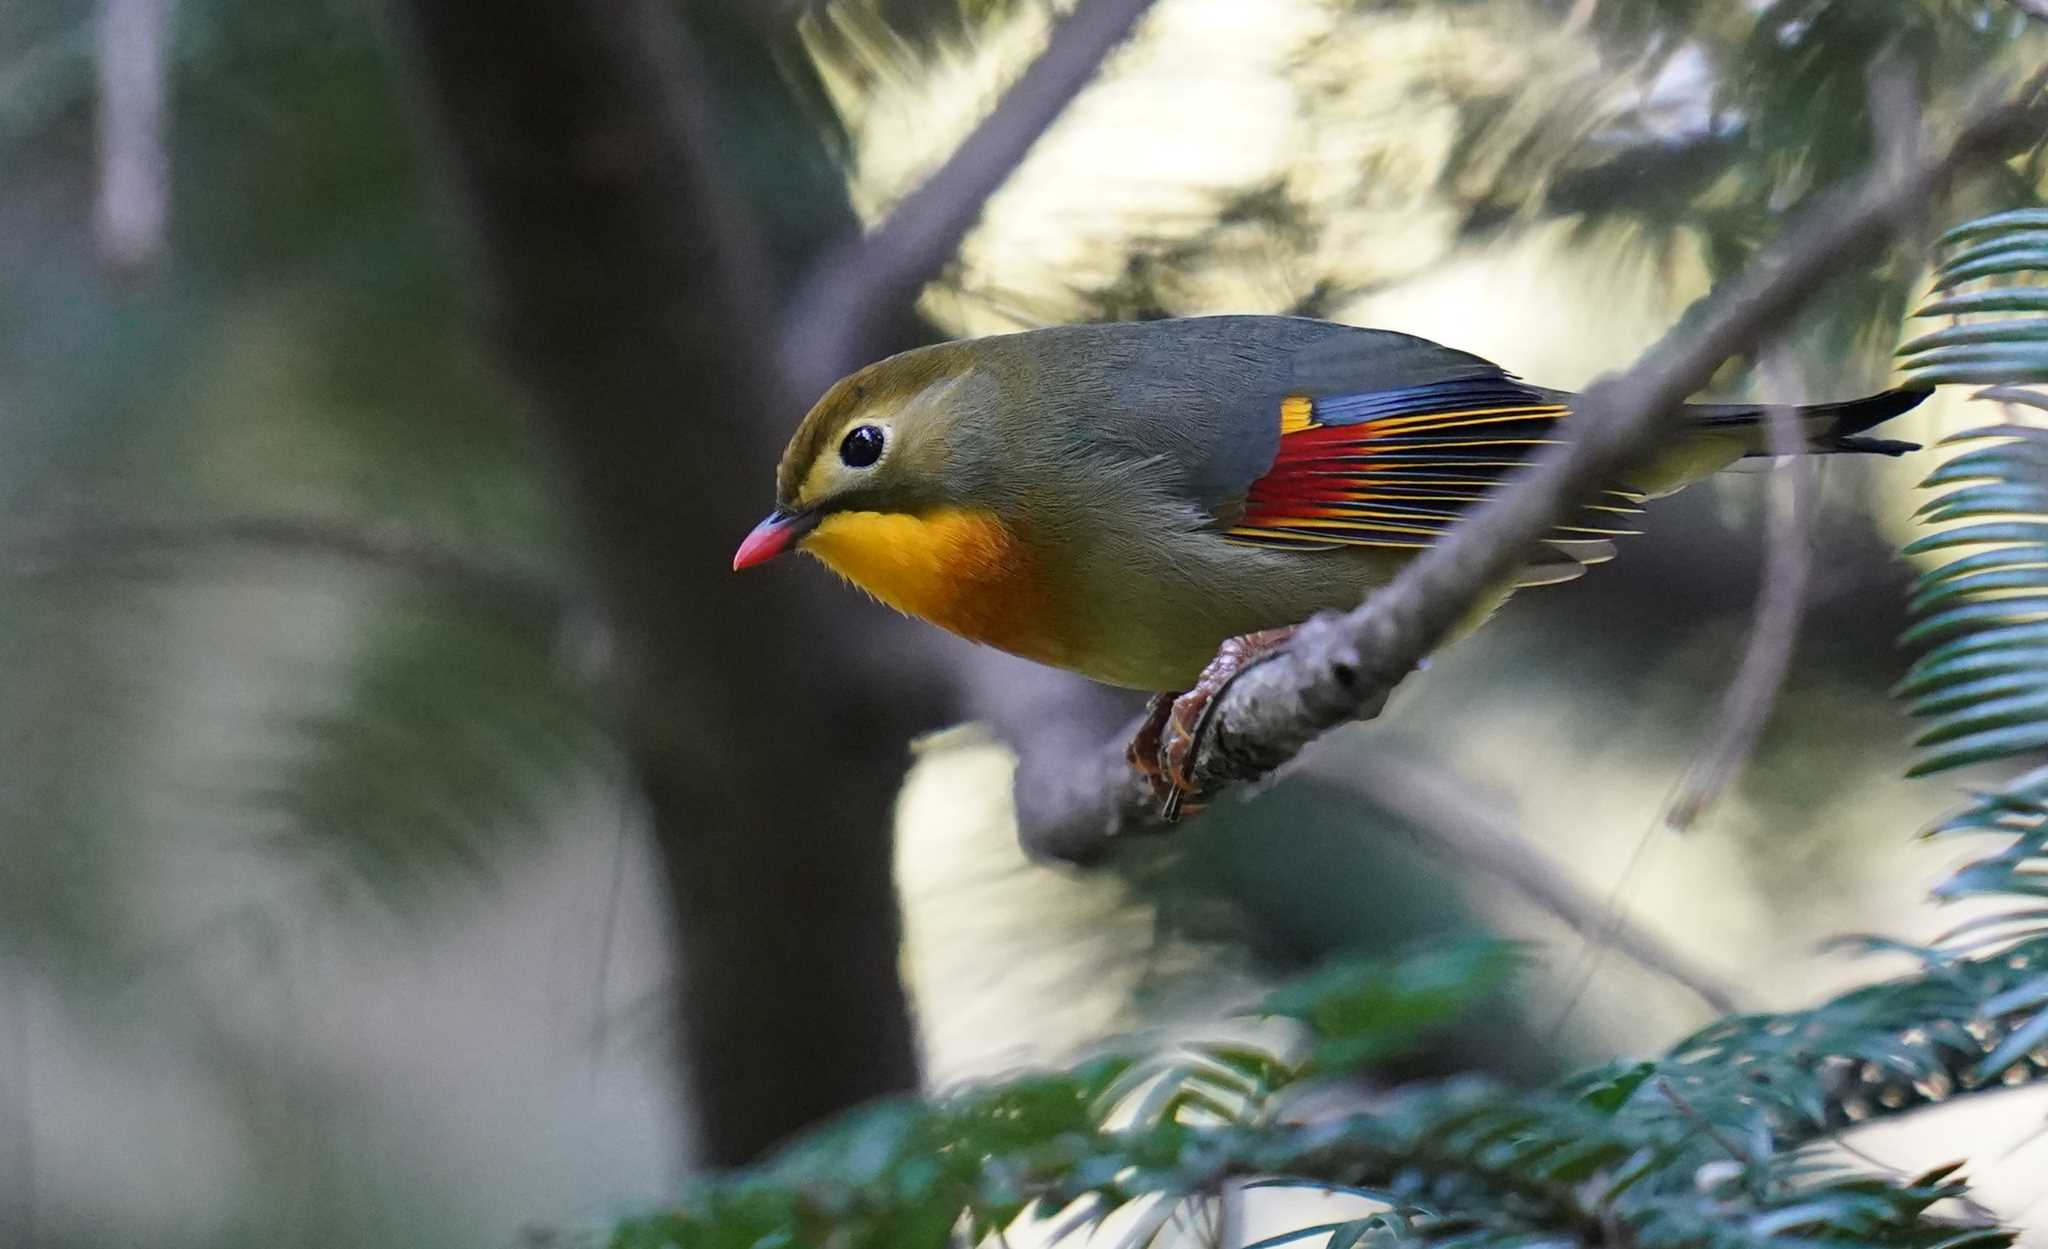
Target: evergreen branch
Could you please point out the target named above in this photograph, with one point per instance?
(1339, 668)
(1701, 1147)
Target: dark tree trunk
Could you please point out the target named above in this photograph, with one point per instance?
(769, 746)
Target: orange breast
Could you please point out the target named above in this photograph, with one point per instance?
(962, 570)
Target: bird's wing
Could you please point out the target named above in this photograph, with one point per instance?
(1396, 467)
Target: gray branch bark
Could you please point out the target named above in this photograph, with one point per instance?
(574, 136)
(843, 315)
(1342, 667)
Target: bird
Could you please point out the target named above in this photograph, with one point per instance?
(1157, 504)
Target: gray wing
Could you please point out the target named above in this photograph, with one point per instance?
(1203, 395)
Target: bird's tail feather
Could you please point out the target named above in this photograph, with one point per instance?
(1830, 428)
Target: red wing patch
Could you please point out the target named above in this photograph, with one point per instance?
(1397, 468)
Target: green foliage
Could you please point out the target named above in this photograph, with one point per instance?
(1363, 1014)
(1981, 684)
(1706, 125)
(1704, 1146)
(445, 793)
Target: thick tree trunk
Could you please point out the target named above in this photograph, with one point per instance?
(769, 745)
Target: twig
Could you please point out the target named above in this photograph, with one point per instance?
(134, 172)
(1774, 631)
(1450, 823)
(842, 315)
(1343, 667)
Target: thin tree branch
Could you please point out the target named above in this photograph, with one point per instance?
(1343, 667)
(1450, 823)
(842, 316)
(2032, 8)
(1773, 634)
(133, 204)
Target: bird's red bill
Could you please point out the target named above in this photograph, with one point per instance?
(769, 539)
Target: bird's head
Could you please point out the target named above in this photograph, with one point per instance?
(877, 450)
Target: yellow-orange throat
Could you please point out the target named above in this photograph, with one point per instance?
(963, 570)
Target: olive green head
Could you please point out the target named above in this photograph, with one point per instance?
(881, 439)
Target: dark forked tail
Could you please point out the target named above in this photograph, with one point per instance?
(1829, 427)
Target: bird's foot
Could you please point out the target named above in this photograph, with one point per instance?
(1166, 746)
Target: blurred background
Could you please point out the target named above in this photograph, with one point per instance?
(333, 906)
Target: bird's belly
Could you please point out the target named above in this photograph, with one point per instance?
(1153, 621)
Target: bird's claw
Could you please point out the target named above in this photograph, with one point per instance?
(1166, 746)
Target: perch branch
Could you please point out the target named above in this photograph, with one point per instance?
(842, 315)
(1341, 667)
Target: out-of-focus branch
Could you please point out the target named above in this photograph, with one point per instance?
(2032, 8)
(133, 204)
(1450, 823)
(1342, 667)
(64, 547)
(843, 314)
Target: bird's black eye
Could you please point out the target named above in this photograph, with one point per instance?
(861, 447)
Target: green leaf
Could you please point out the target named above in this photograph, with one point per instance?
(1982, 748)
(2027, 678)
(1982, 714)
(1978, 535)
(1288, 1238)
(1265, 1073)
(1361, 1013)
(2026, 555)
(1978, 332)
(2033, 993)
(2020, 1042)
(1996, 369)
(1997, 223)
(2008, 299)
(2015, 240)
(1611, 1087)
(1966, 616)
(1351, 1233)
(2004, 260)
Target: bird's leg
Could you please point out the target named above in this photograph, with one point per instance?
(1167, 744)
